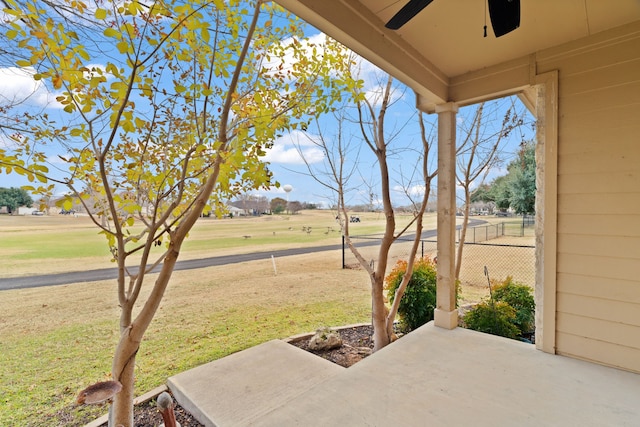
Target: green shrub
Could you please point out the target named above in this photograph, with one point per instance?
(419, 300)
(519, 297)
(510, 314)
(495, 318)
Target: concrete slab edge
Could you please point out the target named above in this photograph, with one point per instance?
(187, 404)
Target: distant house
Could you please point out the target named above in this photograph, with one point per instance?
(482, 208)
(23, 210)
(236, 211)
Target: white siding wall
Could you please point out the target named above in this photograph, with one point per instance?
(598, 242)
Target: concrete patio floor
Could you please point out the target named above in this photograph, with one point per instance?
(431, 377)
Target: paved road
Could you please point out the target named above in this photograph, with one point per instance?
(111, 273)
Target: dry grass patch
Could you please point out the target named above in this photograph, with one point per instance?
(57, 340)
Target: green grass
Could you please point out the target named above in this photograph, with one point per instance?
(43, 370)
(58, 340)
(43, 373)
(66, 243)
(58, 244)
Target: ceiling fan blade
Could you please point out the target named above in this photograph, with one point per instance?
(408, 11)
(505, 16)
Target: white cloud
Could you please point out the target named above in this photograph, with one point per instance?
(413, 191)
(313, 43)
(293, 149)
(374, 79)
(273, 191)
(6, 142)
(374, 82)
(98, 69)
(374, 95)
(17, 86)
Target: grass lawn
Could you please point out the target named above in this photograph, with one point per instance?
(58, 340)
(52, 244)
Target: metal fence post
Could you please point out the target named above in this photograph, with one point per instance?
(343, 259)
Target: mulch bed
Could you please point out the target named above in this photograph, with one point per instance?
(357, 343)
(147, 415)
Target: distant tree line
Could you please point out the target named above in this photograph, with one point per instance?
(517, 189)
(253, 204)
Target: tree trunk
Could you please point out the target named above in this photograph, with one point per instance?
(131, 333)
(121, 410)
(463, 234)
(393, 311)
(379, 314)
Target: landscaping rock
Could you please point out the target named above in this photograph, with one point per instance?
(325, 339)
(364, 351)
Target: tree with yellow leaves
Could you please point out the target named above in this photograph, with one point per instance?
(169, 107)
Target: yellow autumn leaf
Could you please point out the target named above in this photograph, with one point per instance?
(123, 47)
(101, 13)
(112, 32)
(57, 81)
(39, 34)
(205, 35)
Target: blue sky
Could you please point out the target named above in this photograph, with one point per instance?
(289, 168)
(284, 157)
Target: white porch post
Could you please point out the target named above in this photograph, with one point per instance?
(446, 313)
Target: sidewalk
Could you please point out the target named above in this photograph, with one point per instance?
(242, 388)
(430, 377)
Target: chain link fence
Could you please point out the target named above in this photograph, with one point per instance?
(506, 249)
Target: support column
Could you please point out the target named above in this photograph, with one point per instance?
(546, 210)
(446, 313)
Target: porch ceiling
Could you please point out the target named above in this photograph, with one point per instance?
(445, 40)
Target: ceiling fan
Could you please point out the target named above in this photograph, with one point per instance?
(504, 14)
